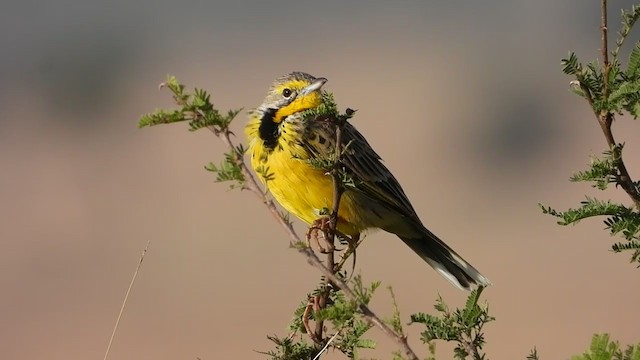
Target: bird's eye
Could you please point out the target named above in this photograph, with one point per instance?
(286, 92)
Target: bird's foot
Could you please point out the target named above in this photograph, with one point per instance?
(321, 229)
(352, 245)
(312, 306)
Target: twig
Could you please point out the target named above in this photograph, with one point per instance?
(126, 297)
(326, 346)
(333, 225)
(338, 188)
(251, 184)
(471, 350)
(605, 49)
(469, 345)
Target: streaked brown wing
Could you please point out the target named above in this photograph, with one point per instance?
(362, 162)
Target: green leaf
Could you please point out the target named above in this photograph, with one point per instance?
(589, 208)
(395, 321)
(603, 170)
(196, 108)
(631, 245)
(571, 65)
(228, 170)
(627, 93)
(629, 18)
(288, 349)
(632, 352)
(601, 349)
(159, 117)
(633, 67)
(462, 326)
(626, 222)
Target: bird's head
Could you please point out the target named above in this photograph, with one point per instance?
(291, 94)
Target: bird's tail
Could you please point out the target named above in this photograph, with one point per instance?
(446, 261)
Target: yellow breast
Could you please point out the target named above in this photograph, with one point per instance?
(298, 186)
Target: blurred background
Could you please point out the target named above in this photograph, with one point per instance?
(465, 101)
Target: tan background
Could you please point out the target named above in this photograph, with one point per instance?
(465, 102)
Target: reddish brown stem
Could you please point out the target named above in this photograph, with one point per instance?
(605, 118)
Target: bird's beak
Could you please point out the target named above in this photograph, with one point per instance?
(314, 86)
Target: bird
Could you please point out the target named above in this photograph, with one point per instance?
(281, 145)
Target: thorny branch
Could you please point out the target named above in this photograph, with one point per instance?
(470, 346)
(333, 226)
(252, 185)
(605, 118)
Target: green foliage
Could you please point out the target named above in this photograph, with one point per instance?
(629, 18)
(571, 65)
(533, 355)
(288, 349)
(328, 110)
(631, 245)
(228, 170)
(610, 90)
(395, 320)
(589, 208)
(625, 93)
(633, 67)
(602, 348)
(344, 315)
(463, 326)
(347, 325)
(197, 109)
(620, 220)
(324, 163)
(623, 86)
(603, 171)
(626, 222)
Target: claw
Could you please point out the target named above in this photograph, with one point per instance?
(320, 229)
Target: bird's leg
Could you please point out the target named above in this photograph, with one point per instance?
(311, 305)
(312, 233)
(321, 227)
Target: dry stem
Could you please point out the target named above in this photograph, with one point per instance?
(126, 297)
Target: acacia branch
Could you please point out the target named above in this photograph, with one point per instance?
(605, 118)
(252, 185)
(338, 189)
